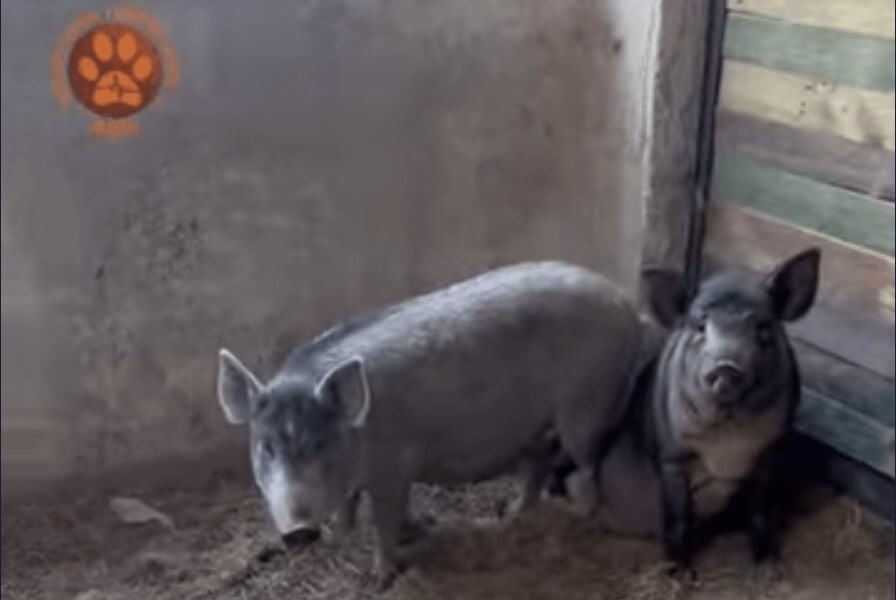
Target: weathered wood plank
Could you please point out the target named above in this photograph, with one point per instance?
(847, 431)
(856, 339)
(817, 154)
(678, 73)
(861, 390)
(863, 116)
(839, 213)
(852, 279)
(834, 56)
(871, 17)
(702, 176)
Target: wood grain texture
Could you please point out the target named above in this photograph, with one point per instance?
(861, 390)
(847, 216)
(848, 431)
(860, 115)
(677, 78)
(870, 17)
(818, 155)
(852, 279)
(834, 56)
(857, 339)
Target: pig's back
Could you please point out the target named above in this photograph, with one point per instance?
(532, 322)
(505, 311)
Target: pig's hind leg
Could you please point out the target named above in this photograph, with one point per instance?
(588, 429)
(536, 467)
(346, 517)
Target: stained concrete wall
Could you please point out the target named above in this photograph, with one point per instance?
(319, 157)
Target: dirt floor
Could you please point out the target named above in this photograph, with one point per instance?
(77, 547)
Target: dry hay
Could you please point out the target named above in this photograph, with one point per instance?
(220, 549)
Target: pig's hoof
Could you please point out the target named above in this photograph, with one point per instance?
(384, 575)
(508, 509)
(769, 570)
(411, 534)
(340, 530)
(557, 489)
(687, 575)
(338, 535)
(414, 530)
(381, 582)
(300, 538)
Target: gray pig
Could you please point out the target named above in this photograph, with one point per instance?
(455, 386)
(709, 410)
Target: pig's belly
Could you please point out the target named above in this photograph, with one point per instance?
(710, 498)
(456, 473)
(629, 494)
(469, 458)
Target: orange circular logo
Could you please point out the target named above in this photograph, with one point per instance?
(114, 64)
(114, 70)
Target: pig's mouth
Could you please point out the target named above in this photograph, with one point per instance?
(300, 537)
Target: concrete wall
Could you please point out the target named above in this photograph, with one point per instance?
(319, 157)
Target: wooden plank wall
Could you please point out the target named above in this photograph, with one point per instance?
(804, 156)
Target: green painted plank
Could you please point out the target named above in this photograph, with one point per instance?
(819, 155)
(845, 215)
(828, 54)
(847, 431)
(868, 17)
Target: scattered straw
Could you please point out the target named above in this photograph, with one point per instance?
(221, 550)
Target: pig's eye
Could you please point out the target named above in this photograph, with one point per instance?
(267, 448)
(317, 445)
(698, 323)
(764, 333)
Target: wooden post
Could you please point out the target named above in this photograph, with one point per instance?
(685, 72)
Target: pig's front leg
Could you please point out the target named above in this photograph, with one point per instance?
(347, 516)
(676, 501)
(413, 529)
(763, 541)
(390, 518)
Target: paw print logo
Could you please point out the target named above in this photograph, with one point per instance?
(114, 70)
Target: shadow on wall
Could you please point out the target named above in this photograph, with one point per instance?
(315, 160)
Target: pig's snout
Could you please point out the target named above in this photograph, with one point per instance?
(724, 378)
(301, 537)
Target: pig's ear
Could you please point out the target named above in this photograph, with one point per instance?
(664, 293)
(345, 388)
(793, 284)
(238, 388)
